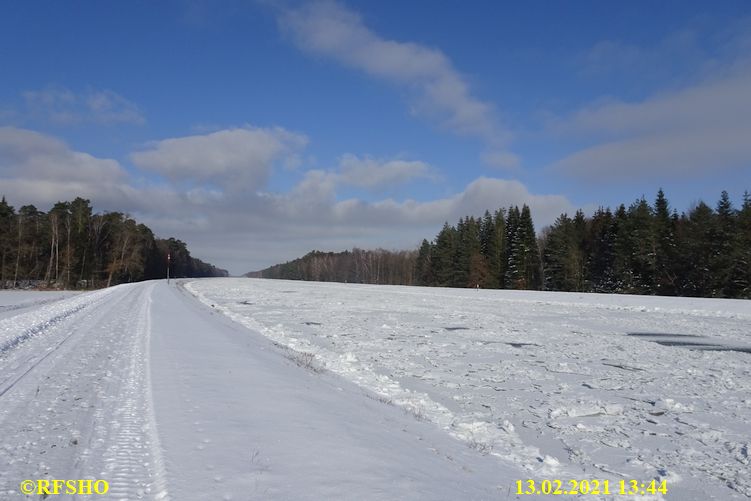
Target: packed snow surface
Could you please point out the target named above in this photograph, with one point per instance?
(75, 398)
(13, 302)
(307, 391)
(559, 385)
(144, 387)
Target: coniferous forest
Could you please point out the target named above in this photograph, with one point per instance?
(645, 248)
(72, 247)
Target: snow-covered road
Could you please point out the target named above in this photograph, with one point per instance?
(75, 394)
(165, 398)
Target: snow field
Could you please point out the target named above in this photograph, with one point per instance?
(551, 382)
(241, 418)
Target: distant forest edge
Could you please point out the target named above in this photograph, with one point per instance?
(72, 247)
(639, 249)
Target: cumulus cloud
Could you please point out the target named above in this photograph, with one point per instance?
(235, 159)
(63, 106)
(313, 203)
(439, 92)
(245, 230)
(36, 168)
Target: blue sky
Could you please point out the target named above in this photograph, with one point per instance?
(256, 131)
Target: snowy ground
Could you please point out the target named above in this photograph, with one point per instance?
(11, 301)
(293, 390)
(144, 387)
(75, 394)
(556, 385)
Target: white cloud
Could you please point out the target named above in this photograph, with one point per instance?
(671, 154)
(313, 203)
(41, 170)
(235, 159)
(28, 158)
(696, 130)
(63, 106)
(245, 230)
(367, 172)
(439, 91)
(696, 126)
(724, 101)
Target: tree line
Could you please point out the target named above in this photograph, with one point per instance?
(651, 249)
(640, 249)
(356, 266)
(71, 246)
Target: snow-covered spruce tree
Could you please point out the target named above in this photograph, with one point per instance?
(524, 258)
(492, 237)
(424, 272)
(740, 276)
(467, 253)
(724, 244)
(665, 275)
(557, 244)
(512, 225)
(578, 258)
(697, 251)
(641, 233)
(601, 259)
(443, 257)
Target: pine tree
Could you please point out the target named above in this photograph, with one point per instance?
(443, 257)
(665, 275)
(511, 227)
(698, 251)
(723, 248)
(642, 259)
(472, 270)
(80, 213)
(423, 271)
(492, 233)
(8, 243)
(31, 245)
(740, 278)
(601, 261)
(623, 273)
(462, 254)
(578, 254)
(524, 258)
(555, 255)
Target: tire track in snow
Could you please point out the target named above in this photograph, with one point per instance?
(131, 460)
(11, 310)
(60, 313)
(91, 414)
(135, 443)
